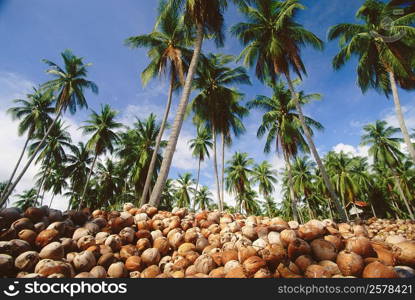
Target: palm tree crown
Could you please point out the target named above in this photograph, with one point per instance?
(70, 82)
(101, 126)
(33, 113)
(384, 145)
(273, 38)
(265, 177)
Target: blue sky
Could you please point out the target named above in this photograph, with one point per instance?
(96, 29)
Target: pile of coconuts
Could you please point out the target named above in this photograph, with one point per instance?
(148, 243)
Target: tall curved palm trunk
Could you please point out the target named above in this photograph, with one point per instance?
(402, 194)
(400, 116)
(9, 182)
(87, 180)
(222, 197)
(44, 176)
(158, 142)
(215, 166)
(291, 188)
(197, 185)
(178, 122)
(29, 162)
(314, 151)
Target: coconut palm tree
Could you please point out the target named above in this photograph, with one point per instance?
(56, 182)
(34, 115)
(52, 152)
(26, 199)
(250, 202)
(101, 126)
(184, 187)
(217, 105)
(269, 207)
(303, 180)
(109, 182)
(384, 148)
(273, 40)
(383, 43)
(341, 171)
(206, 18)
(168, 197)
(203, 198)
(264, 176)
(78, 166)
(200, 149)
(238, 172)
(282, 125)
(70, 83)
(168, 51)
(135, 150)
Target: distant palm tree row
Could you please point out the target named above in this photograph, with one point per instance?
(119, 163)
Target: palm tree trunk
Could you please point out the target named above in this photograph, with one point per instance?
(310, 212)
(396, 210)
(222, 197)
(400, 190)
(357, 213)
(29, 162)
(178, 122)
(51, 200)
(215, 166)
(45, 174)
(197, 185)
(313, 148)
(87, 180)
(9, 182)
(330, 211)
(291, 188)
(373, 210)
(158, 142)
(400, 116)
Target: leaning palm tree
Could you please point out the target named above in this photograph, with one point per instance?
(203, 198)
(168, 50)
(200, 149)
(102, 127)
(26, 199)
(217, 105)
(384, 148)
(184, 187)
(273, 41)
(282, 125)
(34, 115)
(206, 18)
(70, 83)
(238, 172)
(52, 152)
(385, 53)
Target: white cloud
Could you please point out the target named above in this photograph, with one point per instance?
(183, 158)
(362, 151)
(13, 86)
(147, 104)
(409, 114)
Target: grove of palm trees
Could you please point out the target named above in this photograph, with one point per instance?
(318, 213)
